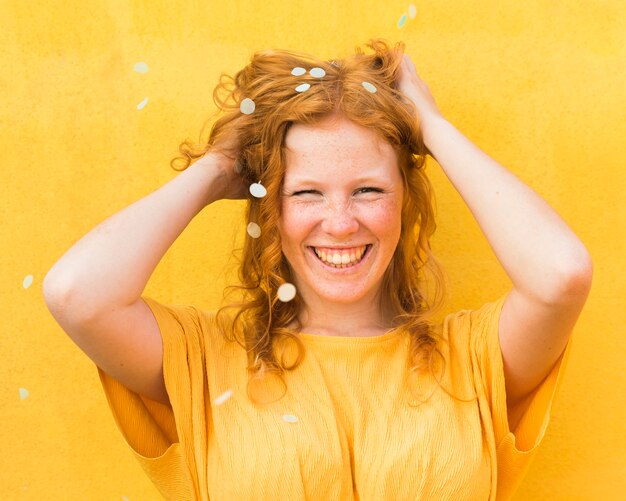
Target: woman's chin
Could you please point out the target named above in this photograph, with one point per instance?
(344, 294)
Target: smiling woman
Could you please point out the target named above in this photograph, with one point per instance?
(327, 380)
(340, 223)
(350, 124)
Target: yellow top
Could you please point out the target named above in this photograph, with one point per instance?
(343, 430)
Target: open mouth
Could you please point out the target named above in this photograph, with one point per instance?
(341, 258)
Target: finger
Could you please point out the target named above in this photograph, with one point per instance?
(409, 63)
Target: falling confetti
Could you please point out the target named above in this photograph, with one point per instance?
(286, 292)
(290, 418)
(23, 393)
(303, 87)
(223, 397)
(412, 11)
(254, 230)
(141, 67)
(402, 21)
(258, 190)
(369, 87)
(298, 71)
(317, 72)
(142, 104)
(247, 106)
(28, 281)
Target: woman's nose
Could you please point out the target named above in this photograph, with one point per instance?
(339, 220)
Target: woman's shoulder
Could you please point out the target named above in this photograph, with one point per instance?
(190, 320)
(469, 333)
(468, 319)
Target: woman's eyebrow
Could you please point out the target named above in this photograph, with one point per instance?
(295, 180)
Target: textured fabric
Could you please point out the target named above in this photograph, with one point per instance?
(348, 428)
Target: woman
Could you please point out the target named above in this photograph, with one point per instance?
(345, 390)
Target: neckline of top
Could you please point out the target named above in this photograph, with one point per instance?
(357, 340)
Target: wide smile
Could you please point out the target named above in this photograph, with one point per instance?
(340, 258)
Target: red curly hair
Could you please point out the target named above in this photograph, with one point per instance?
(260, 320)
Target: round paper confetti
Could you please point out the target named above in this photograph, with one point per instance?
(258, 190)
(247, 106)
(286, 292)
(23, 393)
(298, 71)
(317, 72)
(402, 21)
(223, 397)
(28, 281)
(142, 104)
(290, 418)
(303, 87)
(369, 87)
(254, 230)
(141, 67)
(412, 11)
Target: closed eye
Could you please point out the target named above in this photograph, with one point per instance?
(305, 192)
(368, 189)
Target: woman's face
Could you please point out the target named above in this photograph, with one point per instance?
(341, 211)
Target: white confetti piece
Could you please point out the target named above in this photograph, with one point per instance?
(142, 104)
(303, 87)
(290, 418)
(141, 67)
(254, 230)
(28, 281)
(412, 11)
(247, 106)
(286, 292)
(258, 190)
(369, 87)
(317, 72)
(298, 71)
(124, 498)
(402, 21)
(23, 393)
(223, 397)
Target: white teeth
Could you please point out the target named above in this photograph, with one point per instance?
(341, 259)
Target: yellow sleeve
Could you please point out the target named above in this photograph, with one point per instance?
(162, 436)
(514, 448)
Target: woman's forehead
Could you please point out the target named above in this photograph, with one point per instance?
(337, 137)
(333, 129)
(332, 161)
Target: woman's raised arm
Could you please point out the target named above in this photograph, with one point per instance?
(548, 265)
(94, 290)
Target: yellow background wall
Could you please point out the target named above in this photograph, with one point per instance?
(539, 84)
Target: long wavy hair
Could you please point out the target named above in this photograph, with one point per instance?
(412, 286)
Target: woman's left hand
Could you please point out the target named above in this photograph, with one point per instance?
(413, 87)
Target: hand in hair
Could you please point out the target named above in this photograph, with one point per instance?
(412, 86)
(230, 183)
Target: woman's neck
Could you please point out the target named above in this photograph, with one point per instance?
(361, 319)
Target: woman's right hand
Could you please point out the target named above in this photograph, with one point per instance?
(94, 290)
(231, 185)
